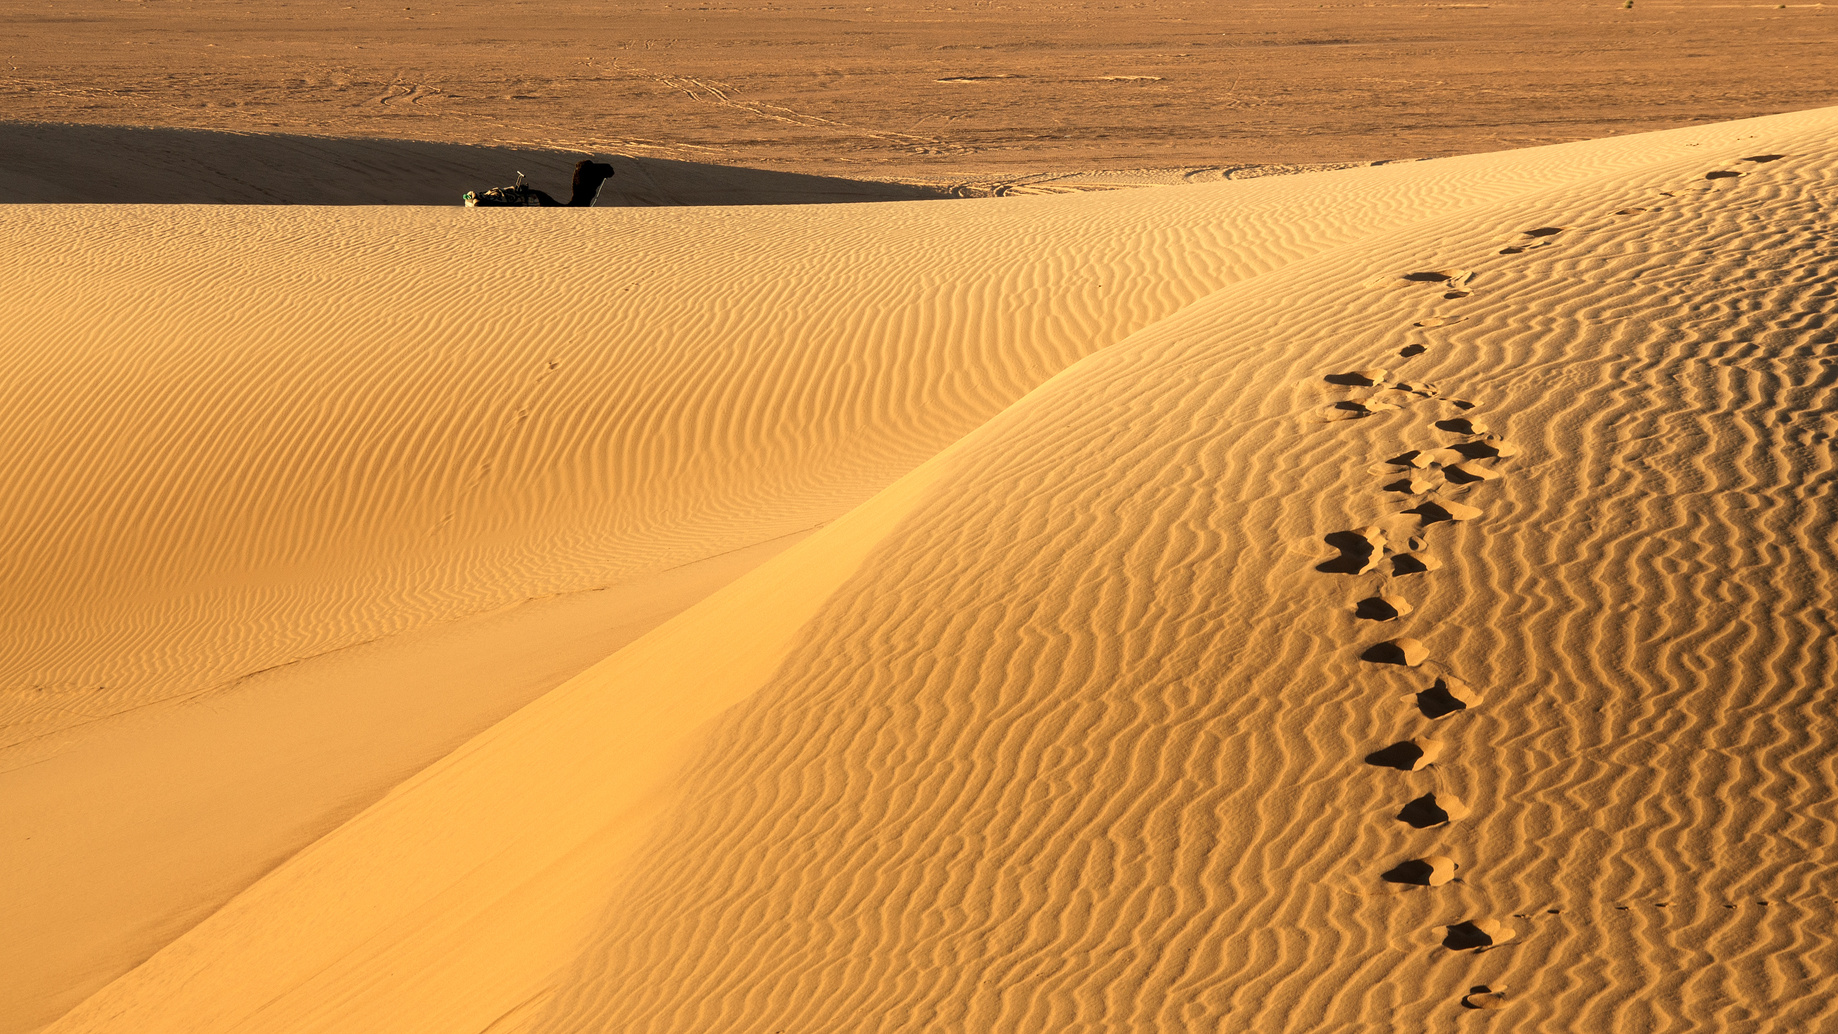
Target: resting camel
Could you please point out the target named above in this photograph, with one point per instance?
(588, 176)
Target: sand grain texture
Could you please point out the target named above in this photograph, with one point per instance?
(1061, 726)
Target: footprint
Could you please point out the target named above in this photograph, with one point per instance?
(1462, 425)
(1437, 512)
(1433, 809)
(1488, 450)
(1413, 485)
(1382, 608)
(1423, 459)
(1447, 696)
(1479, 934)
(1423, 388)
(1541, 232)
(1452, 295)
(1360, 551)
(1722, 174)
(1451, 277)
(1410, 350)
(1411, 755)
(1460, 403)
(1438, 321)
(1360, 378)
(1433, 871)
(1764, 158)
(1354, 409)
(1463, 474)
(1631, 211)
(1482, 996)
(1414, 563)
(1405, 651)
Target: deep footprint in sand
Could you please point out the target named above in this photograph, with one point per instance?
(1461, 425)
(1446, 697)
(1438, 321)
(1382, 608)
(1479, 934)
(1439, 511)
(1403, 651)
(1361, 550)
(1538, 240)
(1758, 158)
(1413, 755)
(1483, 996)
(1423, 459)
(1432, 871)
(1414, 485)
(1414, 563)
(1722, 174)
(1360, 378)
(1470, 473)
(1411, 350)
(1434, 809)
(1450, 277)
(1486, 450)
(1356, 409)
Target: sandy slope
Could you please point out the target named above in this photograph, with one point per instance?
(57, 164)
(1067, 729)
(238, 441)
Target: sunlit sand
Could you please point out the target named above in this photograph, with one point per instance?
(1338, 600)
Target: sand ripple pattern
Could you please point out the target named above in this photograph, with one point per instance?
(437, 413)
(1067, 730)
(1080, 752)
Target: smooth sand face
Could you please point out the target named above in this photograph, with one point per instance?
(956, 91)
(1059, 718)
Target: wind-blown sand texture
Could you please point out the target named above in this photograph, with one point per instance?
(1065, 717)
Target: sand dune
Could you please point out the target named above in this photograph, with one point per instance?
(1065, 725)
(440, 414)
(139, 165)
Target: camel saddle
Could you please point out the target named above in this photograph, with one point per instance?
(520, 196)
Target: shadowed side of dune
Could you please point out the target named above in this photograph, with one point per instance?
(79, 164)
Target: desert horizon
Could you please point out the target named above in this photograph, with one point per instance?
(977, 517)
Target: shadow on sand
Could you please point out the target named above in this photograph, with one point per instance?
(77, 164)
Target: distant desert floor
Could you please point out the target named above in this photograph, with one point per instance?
(983, 95)
(1392, 598)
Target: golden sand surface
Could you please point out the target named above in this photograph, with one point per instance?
(1144, 522)
(1383, 597)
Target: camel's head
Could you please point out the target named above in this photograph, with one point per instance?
(588, 175)
(591, 171)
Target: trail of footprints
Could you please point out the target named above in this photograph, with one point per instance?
(1463, 455)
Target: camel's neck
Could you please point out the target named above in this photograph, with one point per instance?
(585, 193)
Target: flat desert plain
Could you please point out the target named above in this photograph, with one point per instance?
(1167, 558)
